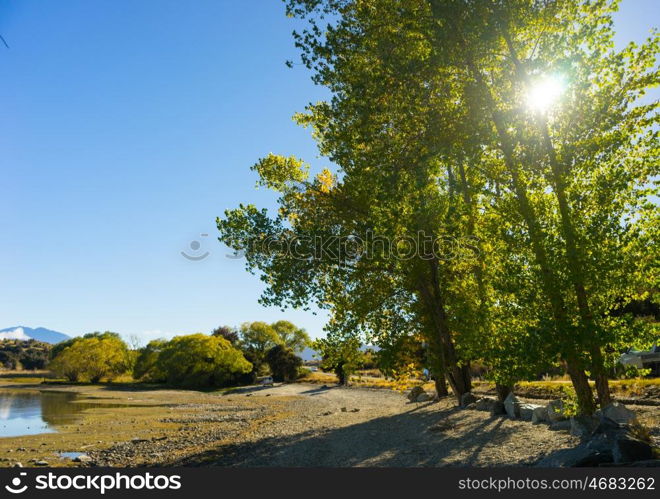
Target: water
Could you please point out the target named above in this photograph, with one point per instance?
(32, 412)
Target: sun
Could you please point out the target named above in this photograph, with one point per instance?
(544, 92)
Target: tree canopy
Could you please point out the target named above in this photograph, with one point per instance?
(464, 209)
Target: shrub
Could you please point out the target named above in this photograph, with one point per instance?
(146, 366)
(198, 360)
(284, 364)
(92, 358)
(339, 355)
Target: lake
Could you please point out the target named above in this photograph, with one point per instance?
(32, 412)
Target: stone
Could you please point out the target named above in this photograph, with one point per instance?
(343, 409)
(415, 392)
(527, 411)
(583, 426)
(17, 465)
(467, 399)
(485, 404)
(627, 449)
(648, 463)
(539, 414)
(555, 411)
(618, 413)
(512, 406)
(607, 426)
(471, 407)
(600, 443)
(41, 463)
(564, 425)
(497, 409)
(355, 410)
(423, 397)
(83, 458)
(579, 456)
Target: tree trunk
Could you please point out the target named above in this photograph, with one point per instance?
(503, 391)
(441, 386)
(457, 376)
(436, 366)
(580, 382)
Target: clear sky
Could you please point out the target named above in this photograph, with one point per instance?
(126, 127)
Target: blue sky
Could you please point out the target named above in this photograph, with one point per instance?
(126, 127)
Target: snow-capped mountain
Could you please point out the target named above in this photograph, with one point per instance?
(27, 333)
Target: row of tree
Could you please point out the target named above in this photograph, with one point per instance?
(24, 354)
(227, 356)
(542, 221)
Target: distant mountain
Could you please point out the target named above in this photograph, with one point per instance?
(309, 354)
(26, 333)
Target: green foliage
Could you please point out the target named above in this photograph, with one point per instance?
(192, 361)
(292, 337)
(146, 366)
(19, 354)
(276, 172)
(93, 357)
(546, 222)
(339, 355)
(283, 362)
(257, 338)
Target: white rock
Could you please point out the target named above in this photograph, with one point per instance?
(512, 406)
(619, 413)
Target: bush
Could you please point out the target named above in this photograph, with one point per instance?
(284, 364)
(192, 361)
(146, 365)
(339, 355)
(92, 358)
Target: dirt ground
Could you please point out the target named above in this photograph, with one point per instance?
(286, 425)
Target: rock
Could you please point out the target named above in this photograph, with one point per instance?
(467, 399)
(577, 457)
(627, 449)
(497, 409)
(618, 413)
(470, 407)
(83, 458)
(583, 426)
(415, 392)
(600, 443)
(527, 411)
(485, 404)
(343, 409)
(17, 465)
(564, 425)
(326, 413)
(648, 463)
(41, 463)
(357, 410)
(512, 406)
(539, 414)
(607, 426)
(555, 411)
(423, 397)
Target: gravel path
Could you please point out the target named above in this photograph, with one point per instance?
(315, 426)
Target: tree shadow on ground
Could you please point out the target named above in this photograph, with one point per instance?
(399, 440)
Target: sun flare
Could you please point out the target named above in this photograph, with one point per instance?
(544, 92)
